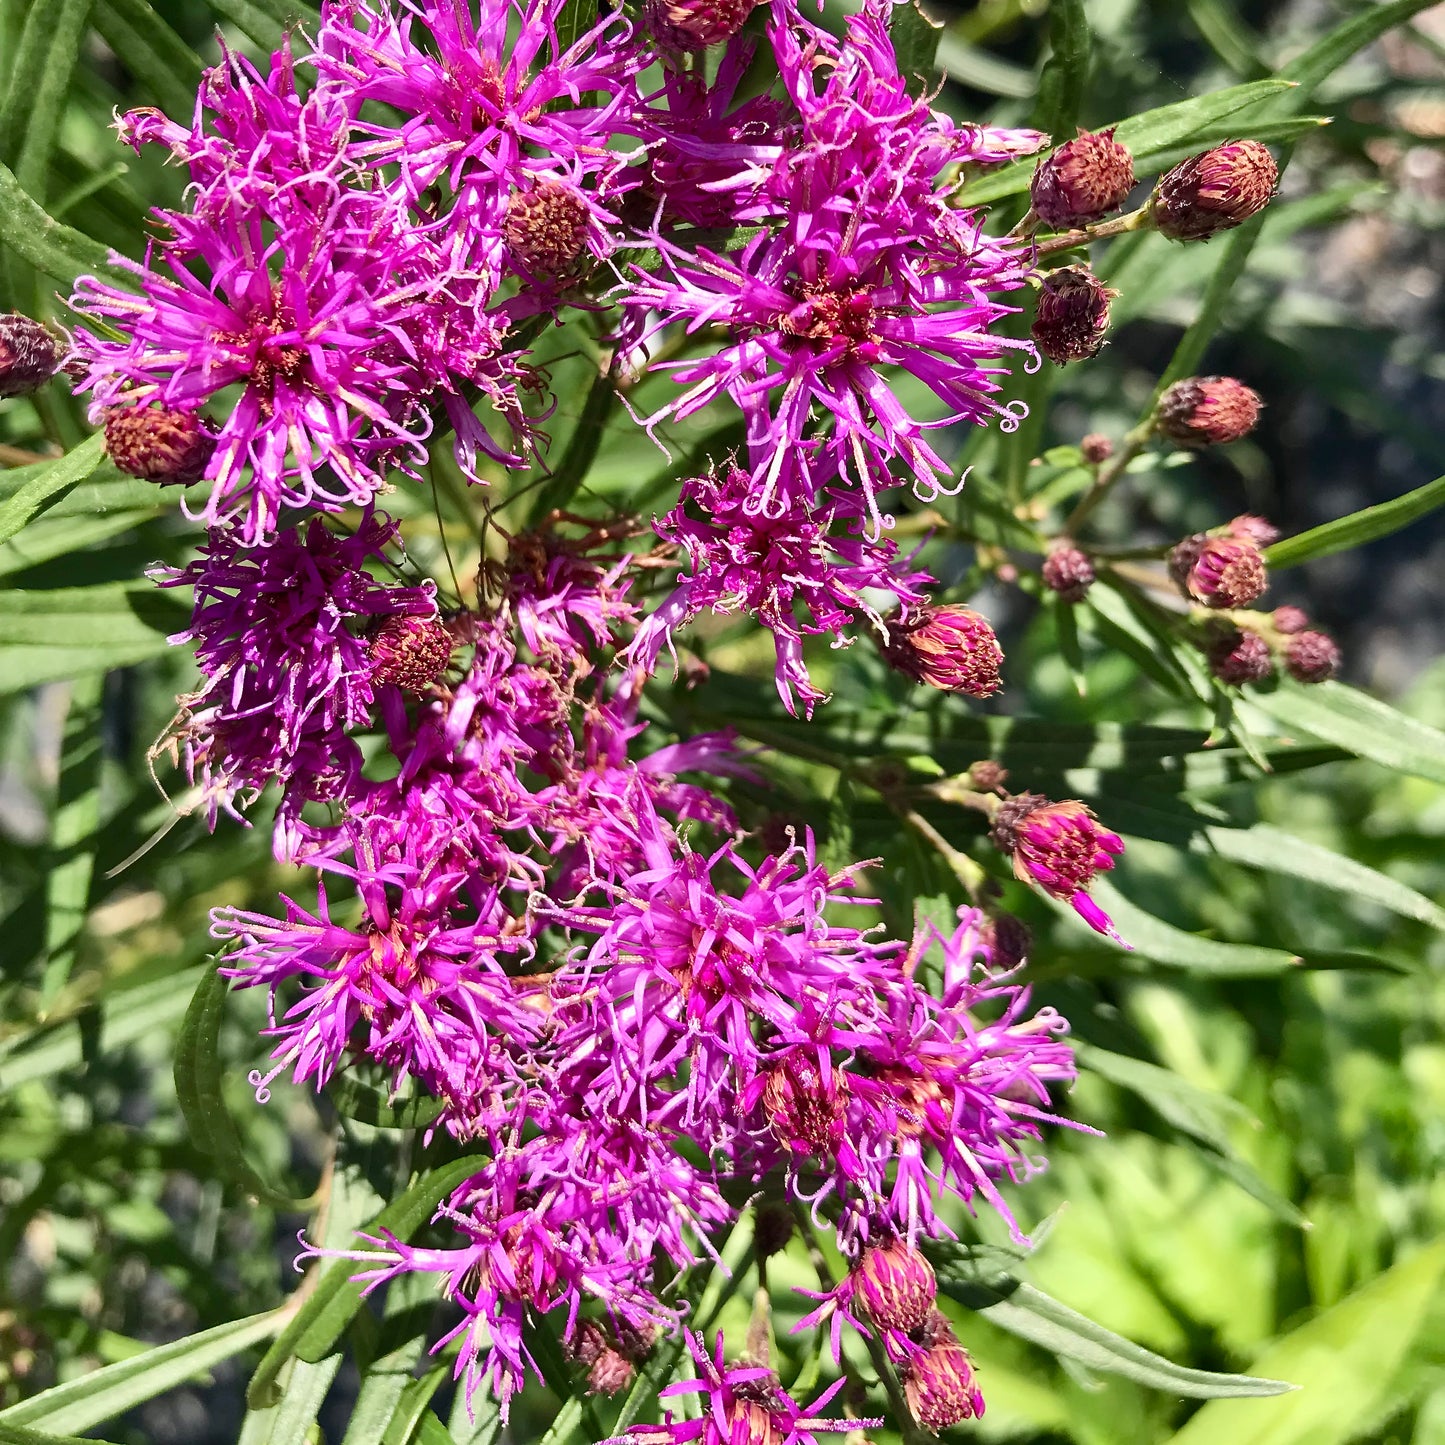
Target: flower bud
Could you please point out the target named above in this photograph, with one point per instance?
(410, 652)
(610, 1372)
(29, 356)
(773, 1228)
(1311, 657)
(949, 647)
(158, 443)
(987, 776)
(1084, 179)
(1097, 448)
(1289, 620)
(938, 1381)
(1219, 571)
(1215, 191)
(896, 1285)
(1240, 657)
(546, 227)
(1068, 572)
(1204, 411)
(1008, 941)
(691, 25)
(1250, 528)
(1072, 315)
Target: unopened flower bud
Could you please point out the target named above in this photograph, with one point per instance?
(410, 652)
(1096, 448)
(939, 1382)
(1254, 529)
(949, 647)
(546, 227)
(1311, 657)
(1072, 315)
(585, 1343)
(987, 776)
(804, 1108)
(1215, 191)
(1008, 941)
(1219, 571)
(1203, 411)
(691, 25)
(773, 1227)
(29, 355)
(158, 443)
(896, 1285)
(610, 1372)
(1239, 657)
(1290, 620)
(1068, 572)
(1082, 180)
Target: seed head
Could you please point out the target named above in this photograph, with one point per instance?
(158, 443)
(1239, 657)
(1072, 315)
(950, 647)
(1084, 179)
(1204, 411)
(1311, 657)
(29, 355)
(1215, 191)
(1068, 572)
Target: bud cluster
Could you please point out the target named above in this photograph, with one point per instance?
(1249, 648)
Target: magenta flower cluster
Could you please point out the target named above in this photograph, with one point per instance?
(517, 901)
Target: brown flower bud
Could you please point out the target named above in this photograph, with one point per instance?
(1203, 411)
(1311, 657)
(1239, 657)
(1096, 448)
(410, 652)
(1072, 315)
(610, 1372)
(158, 443)
(1289, 620)
(951, 648)
(691, 25)
(29, 355)
(1084, 179)
(773, 1227)
(1215, 191)
(1068, 572)
(546, 227)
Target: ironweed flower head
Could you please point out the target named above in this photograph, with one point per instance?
(1215, 191)
(1203, 411)
(1083, 180)
(1238, 656)
(938, 1378)
(29, 354)
(1072, 315)
(1311, 657)
(948, 647)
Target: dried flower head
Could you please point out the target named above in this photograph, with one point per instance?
(938, 1378)
(158, 443)
(546, 227)
(1215, 191)
(1311, 657)
(949, 647)
(1072, 315)
(1203, 411)
(411, 652)
(29, 355)
(1068, 572)
(1082, 180)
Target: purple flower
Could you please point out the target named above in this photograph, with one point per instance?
(802, 570)
(287, 668)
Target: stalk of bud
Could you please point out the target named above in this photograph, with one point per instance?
(410, 652)
(158, 443)
(546, 227)
(1311, 657)
(1072, 315)
(1215, 191)
(1223, 571)
(950, 647)
(692, 25)
(1203, 411)
(29, 356)
(1082, 181)
(896, 1285)
(1239, 657)
(1068, 572)
(938, 1381)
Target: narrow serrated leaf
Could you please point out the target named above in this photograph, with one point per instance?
(1066, 72)
(49, 483)
(1358, 528)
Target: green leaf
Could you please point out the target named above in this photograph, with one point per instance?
(1065, 74)
(370, 1105)
(405, 1420)
(72, 839)
(333, 1303)
(575, 20)
(1358, 528)
(581, 450)
(159, 58)
(199, 1073)
(254, 21)
(19, 1435)
(1037, 1317)
(51, 537)
(50, 634)
(45, 92)
(48, 483)
(1227, 36)
(105, 1393)
(1345, 1362)
(969, 65)
(300, 1404)
(915, 38)
(1147, 135)
(1326, 56)
(1360, 724)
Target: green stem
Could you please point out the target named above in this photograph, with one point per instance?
(1067, 240)
(1109, 473)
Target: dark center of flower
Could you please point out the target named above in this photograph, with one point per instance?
(831, 316)
(803, 1110)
